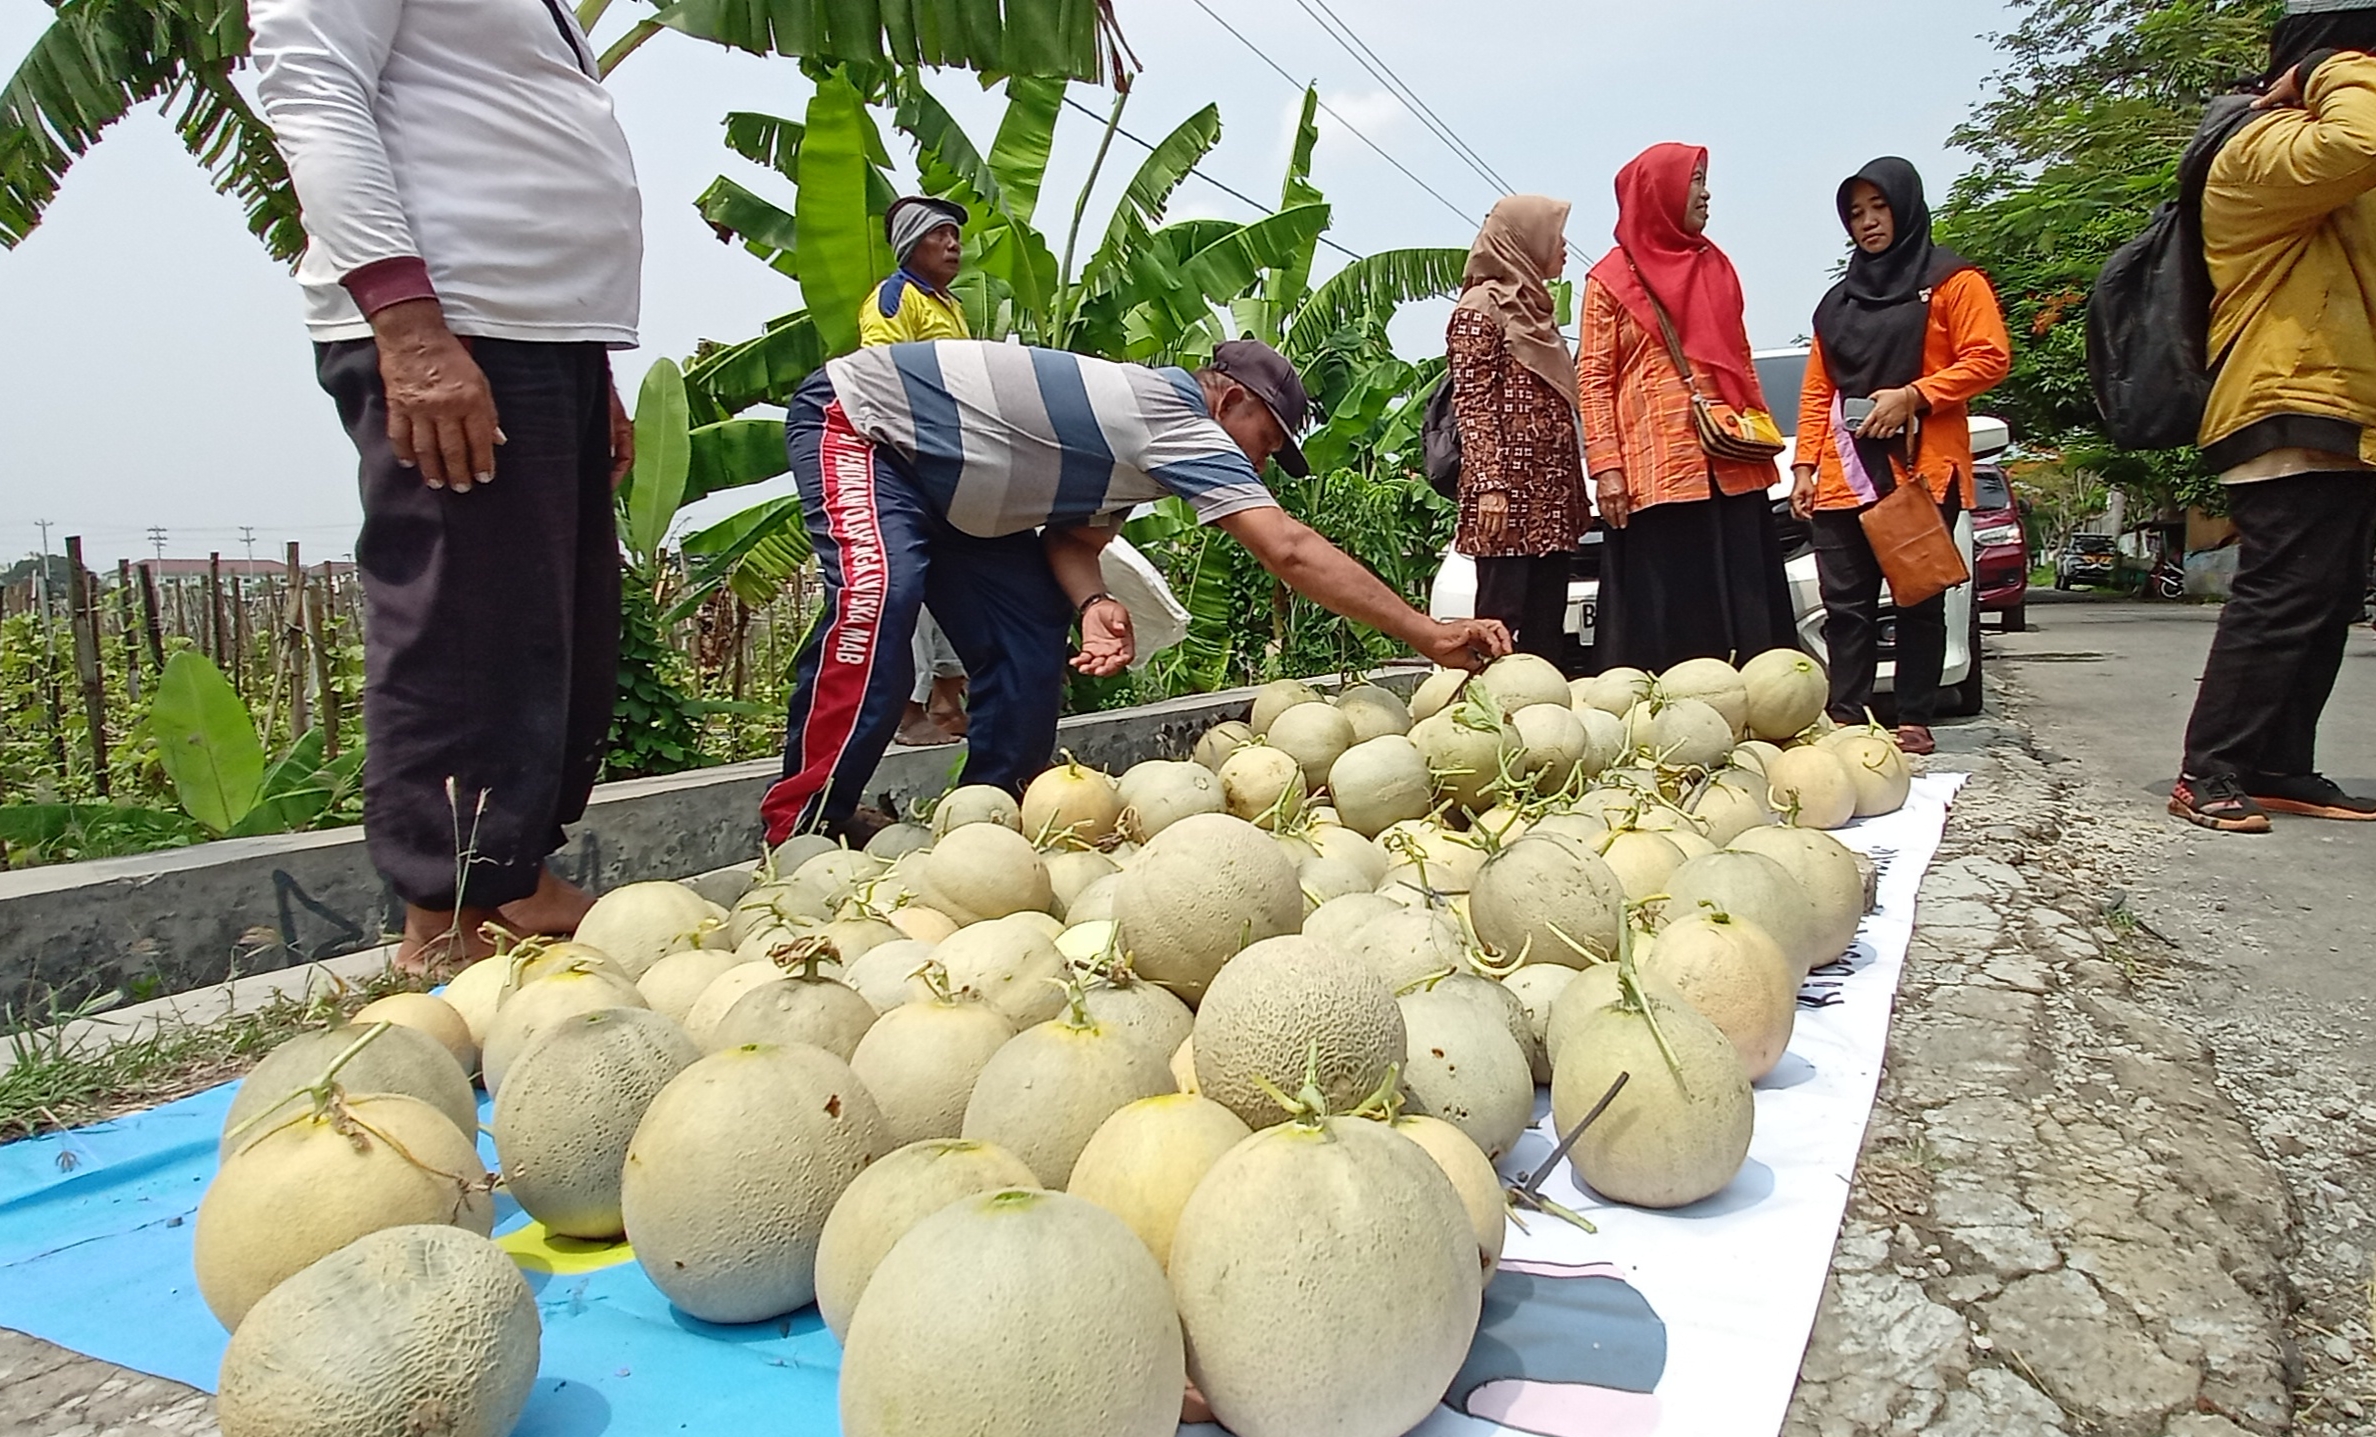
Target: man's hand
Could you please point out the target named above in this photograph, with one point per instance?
(1802, 492)
(1493, 516)
(622, 440)
(2286, 94)
(1107, 644)
(441, 414)
(1615, 508)
(1893, 410)
(1468, 644)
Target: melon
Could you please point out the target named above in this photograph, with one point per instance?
(1336, 842)
(579, 988)
(1353, 1326)
(1679, 1130)
(1438, 691)
(536, 958)
(1324, 878)
(733, 1170)
(1313, 735)
(1095, 903)
(1614, 691)
(1752, 756)
(1427, 856)
(1680, 733)
(1552, 746)
(1044, 1094)
(1336, 921)
(920, 1060)
(1464, 1068)
(1373, 711)
(1473, 1177)
(1274, 699)
(1735, 976)
(793, 852)
(818, 887)
(674, 984)
(474, 993)
(1010, 1315)
(1713, 682)
(1547, 900)
(1537, 986)
(1604, 738)
(416, 1329)
(900, 1190)
(569, 1106)
(427, 1014)
(1010, 964)
(1157, 794)
(638, 924)
(1751, 886)
(1466, 747)
(1876, 768)
(897, 840)
(796, 1009)
(1501, 825)
(1827, 874)
(1070, 872)
(723, 992)
(1403, 945)
(1290, 1010)
(1786, 691)
(975, 803)
(1380, 782)
(398, 1060)
(1147, 1013)
(1519, 681)
(1220, 741)
(1811, 785)
(984, 870)
(1642, 861)
(846, 940)
(772, 908)
(296, 1188)
(1732, 802)
(1590, 990)
(1070, 803)
(1201, 890)
(922, 924)
(1262, 785)
(1146, 1159)
(1690, 843)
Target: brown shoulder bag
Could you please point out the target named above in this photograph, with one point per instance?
(1911, 542)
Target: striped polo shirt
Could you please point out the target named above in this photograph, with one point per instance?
(1005, 439)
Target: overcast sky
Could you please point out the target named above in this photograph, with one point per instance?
(154, 368)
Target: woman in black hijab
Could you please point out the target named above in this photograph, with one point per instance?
(1917, 331)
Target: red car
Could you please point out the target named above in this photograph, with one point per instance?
(2000, 549)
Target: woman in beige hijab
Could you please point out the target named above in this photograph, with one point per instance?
(1522, 505)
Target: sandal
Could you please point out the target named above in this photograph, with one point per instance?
(1915, 741)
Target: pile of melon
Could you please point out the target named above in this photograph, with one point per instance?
(1055, 1107)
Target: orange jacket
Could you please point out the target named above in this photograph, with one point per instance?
(1966, 352)
(1637, 413)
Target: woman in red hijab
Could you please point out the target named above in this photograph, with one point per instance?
(1690, 566)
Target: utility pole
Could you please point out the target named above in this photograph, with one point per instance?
(157, 540)
(247, 536)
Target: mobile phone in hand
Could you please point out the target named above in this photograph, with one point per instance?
(1854, 412)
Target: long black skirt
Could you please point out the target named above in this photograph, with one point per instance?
(1700, 579)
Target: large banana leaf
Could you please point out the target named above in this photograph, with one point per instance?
(1235, 263)
(207, 742)
(754, 552)
(764, 229)
(762, 370)
(842, 252)
(1076, 38)
(1372, 286)
(1150, 190)
(97, 60)
(663, 455)
(1291, 284)
(1019, 153)
(734, 453)
(769, 140)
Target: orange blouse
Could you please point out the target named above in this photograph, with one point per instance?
(1637, 413)
(1965, 353)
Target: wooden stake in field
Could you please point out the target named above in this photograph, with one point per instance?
(152, 623)
(292, 640)
(214, 609)
(317, 638)
(85, 616)
(128, 628)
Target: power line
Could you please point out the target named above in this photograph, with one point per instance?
(1239, 195)
(1465, 216)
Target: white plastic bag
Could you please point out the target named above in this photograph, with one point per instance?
(1157, 620)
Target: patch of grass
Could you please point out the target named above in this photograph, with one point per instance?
(49, 1083)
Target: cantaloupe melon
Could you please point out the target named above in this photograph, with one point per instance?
(1335, 921)
(1876, 767)
(428, 1014)
(773, 908)
(1380, 782)
(1437, 691)
(1146, 1159)
(638, 924)
(787, 856)
(1679, 1130)
(1382, 1298)
(417, 1329)
(1071, 871)
(1466, 747)
(1786, 692)
(984, 870)
(1427, 856)
(474, 993)
(818, 887)
(1373, 711)
(1011, 965)
(1754, 887)
(1262, 785)
(1337, 843)
(1713, 682)
(1148, 1013)
(1494, 1002)
(723, 992)
(897, 840)
(1280, 1007)
(1811, 787)
(886, 976)
(920, 1061)
(1732, 802)
(673, 985)
(796, 1008)
(1537, 986)
(1157, 794)
(535, 958)
(1404, 945)
(975, 803)
(1552, 746)
(1589, 991)
(1518, 681)
(1217, 743)
(1324, 878)
(579, 988)
(733, 1171)
(1642, 861)
(569, 1106)
(1736, 977)
(298, 1187)
(921, 922)
(1016, 1313)
(1752, 755)
(899, 1190)
(1070, 802)
(1679, 733)
(1274, 699)
(1313, 735)
(1548, 898)
(1472, 1176)
(1826, 872)
(399, 1060)
(1204, 888)
(1604, 738)
(1044, 1094)
(1614, 691)
(1463, 1067)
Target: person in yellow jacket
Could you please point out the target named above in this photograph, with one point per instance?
(913, 304)
(2289, 233)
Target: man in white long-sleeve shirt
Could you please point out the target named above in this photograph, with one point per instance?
(475, 253)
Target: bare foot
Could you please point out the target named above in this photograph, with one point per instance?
(1193, 1408)
(554, 910)
(948, 705)
(922, 733)
(438, 944)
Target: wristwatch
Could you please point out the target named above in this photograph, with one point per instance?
(1100, 597)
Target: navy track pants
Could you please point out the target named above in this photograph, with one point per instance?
(884, 551)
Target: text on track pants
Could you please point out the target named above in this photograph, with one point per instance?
(884, 551)
(491, 658)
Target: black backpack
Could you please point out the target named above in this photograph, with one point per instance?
(2149, 316)
(1439, 441)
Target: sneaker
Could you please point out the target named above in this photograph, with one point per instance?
(1914, 740)
(2308, 795)
(2218, 802)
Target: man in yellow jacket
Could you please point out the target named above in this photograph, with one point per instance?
(2289, 232)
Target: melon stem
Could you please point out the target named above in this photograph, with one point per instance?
(323, 1089)
(1632, 999)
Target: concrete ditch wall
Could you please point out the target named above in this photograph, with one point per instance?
(169, 922)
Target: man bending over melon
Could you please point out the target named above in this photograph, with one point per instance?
(984, 479)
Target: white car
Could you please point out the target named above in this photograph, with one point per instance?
(1779, 372)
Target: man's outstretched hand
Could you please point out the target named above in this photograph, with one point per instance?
(441, 414)
(1468, 644)
(1107, 643)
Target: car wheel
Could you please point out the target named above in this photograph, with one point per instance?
(2015, 620)
(1963, 700)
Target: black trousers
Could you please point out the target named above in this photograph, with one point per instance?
(1529, 594)
(2300, 571)
(1851, 581)
(491, 657)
